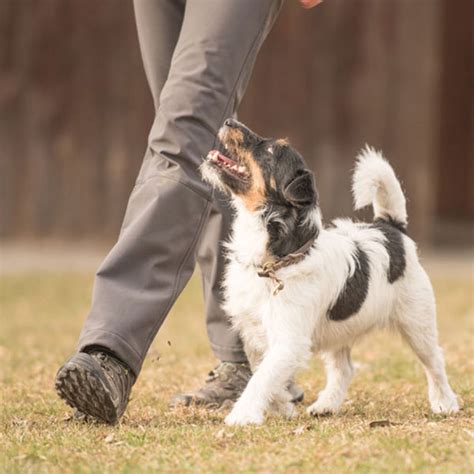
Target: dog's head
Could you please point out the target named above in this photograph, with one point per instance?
(269, 178)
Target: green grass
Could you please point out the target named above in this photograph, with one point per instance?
(41, 315)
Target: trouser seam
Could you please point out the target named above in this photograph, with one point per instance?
(160, 175)
(176, 280)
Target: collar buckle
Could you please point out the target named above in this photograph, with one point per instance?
(269, 268)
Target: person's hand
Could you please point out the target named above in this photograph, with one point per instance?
(310, 3)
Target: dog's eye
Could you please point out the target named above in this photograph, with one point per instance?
(274, 227)
(276, 224)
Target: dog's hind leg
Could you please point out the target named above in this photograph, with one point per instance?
(422, 338)
(416, 321)
(339, 373)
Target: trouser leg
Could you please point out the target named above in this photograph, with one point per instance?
(154, 257)
(158, 24)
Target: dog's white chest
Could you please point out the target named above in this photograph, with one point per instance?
(247, 295)
(246, 292)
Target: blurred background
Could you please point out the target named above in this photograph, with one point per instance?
(75, 112)
(75, 109)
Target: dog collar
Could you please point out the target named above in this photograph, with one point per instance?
(269, 268)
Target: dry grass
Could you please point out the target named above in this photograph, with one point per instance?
(40, 319)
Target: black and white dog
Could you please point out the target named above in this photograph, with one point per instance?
(293, 287)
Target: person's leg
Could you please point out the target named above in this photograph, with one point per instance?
(82, 379)
(154, 257)
(156, 53)
(156, 45)
(157, 42)
(158, 26)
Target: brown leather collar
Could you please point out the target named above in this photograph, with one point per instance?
(269, 269)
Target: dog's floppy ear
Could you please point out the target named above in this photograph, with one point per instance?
(301, 191)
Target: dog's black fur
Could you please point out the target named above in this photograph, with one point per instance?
(352, 297)
(394, 247)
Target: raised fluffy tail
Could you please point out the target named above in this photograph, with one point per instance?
(374, 182)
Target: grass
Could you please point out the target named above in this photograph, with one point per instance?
(41, 315)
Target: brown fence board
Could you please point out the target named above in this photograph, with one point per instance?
(75, 109)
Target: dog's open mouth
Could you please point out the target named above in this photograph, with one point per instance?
(229, 165)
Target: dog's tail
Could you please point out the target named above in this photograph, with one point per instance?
(374, 182)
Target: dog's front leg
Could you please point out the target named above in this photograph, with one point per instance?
(280, 362)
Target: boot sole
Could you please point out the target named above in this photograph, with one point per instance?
(80, 384)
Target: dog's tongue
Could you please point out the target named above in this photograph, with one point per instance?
(218, 156)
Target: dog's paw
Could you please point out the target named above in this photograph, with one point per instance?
(242, 418)
(447, 405)
(323, 407)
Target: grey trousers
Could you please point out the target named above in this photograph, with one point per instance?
(198, 57)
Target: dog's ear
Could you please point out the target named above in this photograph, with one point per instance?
(301, 191)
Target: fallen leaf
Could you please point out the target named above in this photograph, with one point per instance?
(110, 438)
(19, 422)
(382, 423)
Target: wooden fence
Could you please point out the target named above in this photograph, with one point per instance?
(75, 109)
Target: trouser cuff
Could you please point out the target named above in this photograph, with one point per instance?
(114, 343)
(229, 354)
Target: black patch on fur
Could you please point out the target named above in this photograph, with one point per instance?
(288, 229)
(394, 246)
(392, 222)
(352, 297)
(290, 201)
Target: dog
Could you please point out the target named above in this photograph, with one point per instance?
(293, 287)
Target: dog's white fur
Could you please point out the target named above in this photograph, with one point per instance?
(281, 332)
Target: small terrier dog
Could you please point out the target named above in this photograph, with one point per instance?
(293, 287)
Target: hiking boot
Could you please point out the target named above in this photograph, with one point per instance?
(296, 392)
(96, 384)
(224, 384)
